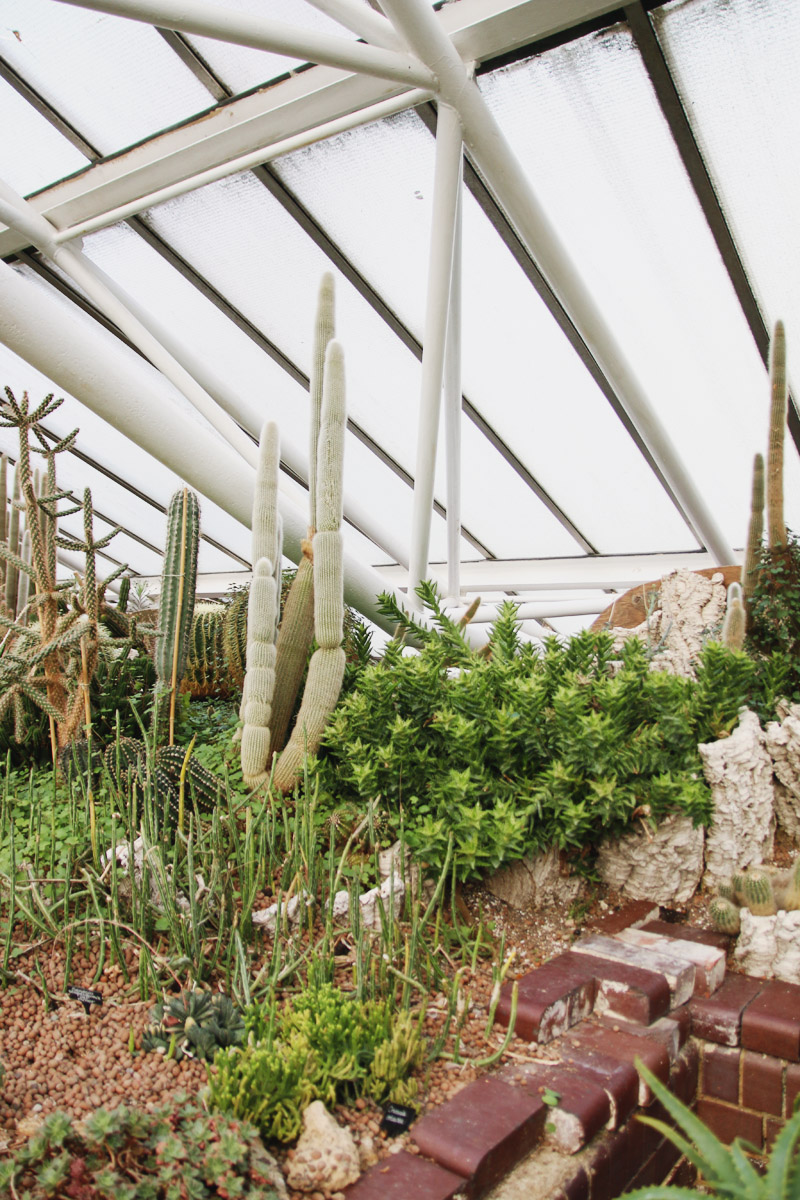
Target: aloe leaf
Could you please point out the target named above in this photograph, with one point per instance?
(782, 1180)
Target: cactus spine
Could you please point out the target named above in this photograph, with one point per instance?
(776, 526)
(735, 623)
(176, 605)
(725, 914)
(758, 894)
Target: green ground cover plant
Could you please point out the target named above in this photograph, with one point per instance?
(514, 750)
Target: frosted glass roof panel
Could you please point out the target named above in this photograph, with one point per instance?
(607, 172)
(241, 68)
(34, 152)
(735, 64)
(240, 238)
(377, 181)
(116, 81)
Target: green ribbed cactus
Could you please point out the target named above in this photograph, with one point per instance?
(176, 605)
(758, 894)
(735, 624)
(790, 892)
(776, 526)
(755, 532)
(725, 914)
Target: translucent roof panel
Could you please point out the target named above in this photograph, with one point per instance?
(506, 329)
(241, 68)
(35, 154)
(735, 65)
(116, 81)
(601, 159)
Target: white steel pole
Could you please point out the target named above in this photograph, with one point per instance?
(440, 269)
(361, 20)
(261, 33)
(255, 158)
(452, 409)
(492, 155)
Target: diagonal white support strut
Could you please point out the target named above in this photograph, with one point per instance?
(502, 172)
(261, 33)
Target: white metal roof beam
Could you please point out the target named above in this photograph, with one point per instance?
(481, 29)
(489, 150)
(261, 33)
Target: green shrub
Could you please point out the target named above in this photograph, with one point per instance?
(127, 1154)
(328, 1045)
(522, 749)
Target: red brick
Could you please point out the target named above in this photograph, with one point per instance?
(684, 1174)
(678, 973)
(624, 1047)
(728, 1122)
(665, 1031)
(684, 1075)
(657, 1167)
(482, 1132)
(771, 1023)
(772, 1128)
(762, 1083)
(720, 1076)
(708, 961)
(622, 1165)
(718, 1018)
(630, 992)
(550, 1000)
(583, 1107)
(619, 1080)
(690, 933)
(577, 1188)
(406, 1176)
(635, 912)
(792, 1088)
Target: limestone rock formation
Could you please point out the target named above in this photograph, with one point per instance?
(769, 947)
(535, 882)
(326, 1157)
(783, 744)
(664, 865)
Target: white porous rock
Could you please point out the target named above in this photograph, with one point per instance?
(663, 865)
(769, 947)
(326, 1158)
(688, 610)
(783, 744)
(535, 882)
(739, 772)
(127, 852)
(291, 912)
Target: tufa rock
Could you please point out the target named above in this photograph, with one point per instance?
(535, 882)
(664, 865)
(739, 772)
(783, 744)
(326, 1158)
(769, 947)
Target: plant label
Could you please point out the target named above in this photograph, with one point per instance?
(85, 996)
(397, 1118)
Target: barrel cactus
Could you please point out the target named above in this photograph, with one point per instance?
(764, 890)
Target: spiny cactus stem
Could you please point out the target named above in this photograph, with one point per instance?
(175, 648)
(754, 533)
(779, 400)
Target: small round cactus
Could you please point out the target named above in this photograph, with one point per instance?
(758, 894)
(725, 915)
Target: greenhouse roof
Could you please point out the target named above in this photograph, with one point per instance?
(558, 337)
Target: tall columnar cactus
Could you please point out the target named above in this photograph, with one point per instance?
(755, 532)
(326, 669)
(176, 606)
(297, 626)
(262, 614)
(735, 623)
(776, 526)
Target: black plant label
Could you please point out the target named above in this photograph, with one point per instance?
(85, 996)
(397, 1118)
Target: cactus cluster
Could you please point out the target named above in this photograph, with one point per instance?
(195, 1024)
(764, 890)
(126, 762)
(176, 604)
(277, 650)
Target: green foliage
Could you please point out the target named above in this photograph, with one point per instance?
(727, 1171)
(773, 629)
(196, 1024)
(327, 1045)
(128, 1154)
(519, 750)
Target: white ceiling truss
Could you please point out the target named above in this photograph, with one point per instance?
(407, 57)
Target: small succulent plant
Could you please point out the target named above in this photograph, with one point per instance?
(764, 890)
(195, 1024)
(179, 1150)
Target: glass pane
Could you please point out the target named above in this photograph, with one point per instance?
(241, 68)
(606, 171)
(735, 64)
(35, 154)
(379, 178)
(116, 81)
